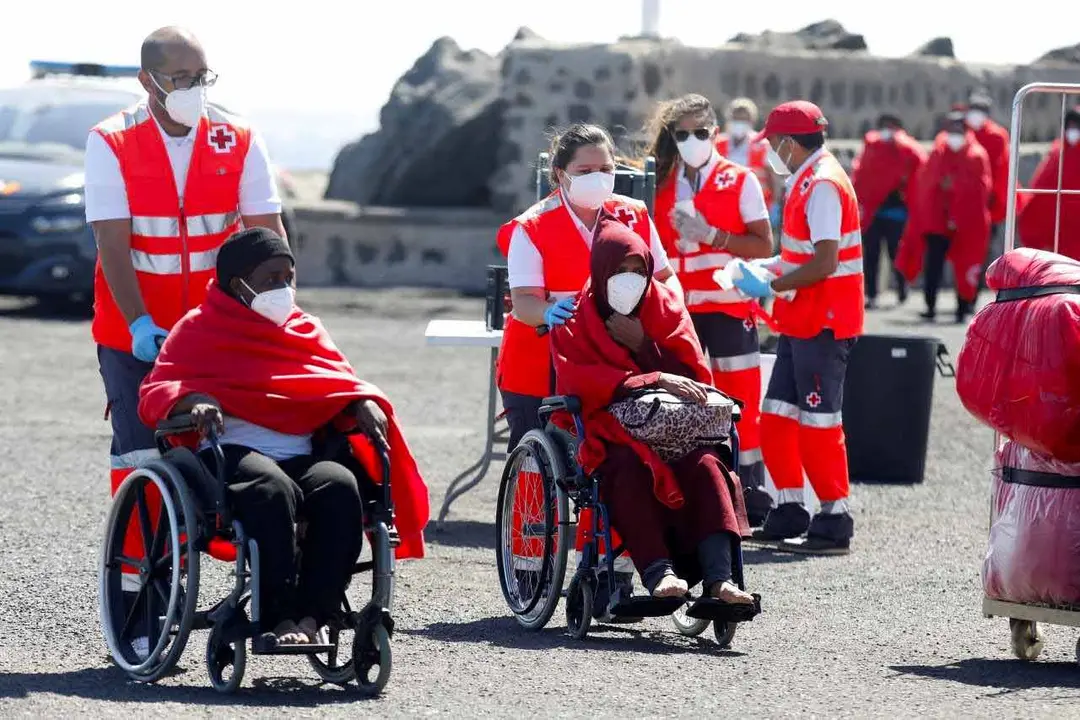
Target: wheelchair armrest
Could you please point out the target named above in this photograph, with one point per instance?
(553, 404)
(176, 425)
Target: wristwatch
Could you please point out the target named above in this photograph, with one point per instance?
(712, 240)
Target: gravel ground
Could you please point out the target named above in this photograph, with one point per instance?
(894, 630)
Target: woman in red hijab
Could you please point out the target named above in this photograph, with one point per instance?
(631, 332)
(268, 377)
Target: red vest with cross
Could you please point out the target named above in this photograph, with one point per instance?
(173, 247)
(759, 153)
(835, 303)
(718, 203)
(524, 362)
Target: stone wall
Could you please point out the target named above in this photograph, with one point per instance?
(546, 85)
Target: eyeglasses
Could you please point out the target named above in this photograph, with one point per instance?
(206, 78)
(700, 133)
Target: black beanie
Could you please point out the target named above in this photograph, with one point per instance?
(245, 251)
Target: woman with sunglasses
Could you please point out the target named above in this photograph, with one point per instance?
(709, 210)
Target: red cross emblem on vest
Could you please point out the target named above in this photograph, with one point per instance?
(725, 180)
(813, 400)
(626, 216)
(806, 184)
(222, 139)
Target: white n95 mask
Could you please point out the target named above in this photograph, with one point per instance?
(275, 305)
(624, 291)
(885, 134)
(591, 190)
(778, 166)
(976, 119)
(956, 141)
(694, 152)
(738, 129)
(1072, 135)
(184, 106)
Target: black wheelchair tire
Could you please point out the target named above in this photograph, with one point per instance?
(579, 605)
(538, 612)
(217, 651)
(371, 646)
(724, 632)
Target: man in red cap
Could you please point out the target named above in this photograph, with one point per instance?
(818, 284)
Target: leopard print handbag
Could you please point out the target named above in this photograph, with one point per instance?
(673, 426)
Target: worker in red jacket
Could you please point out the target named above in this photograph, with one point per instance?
(1037, 215)
(995, 140)
(883, 175)
(950, 218)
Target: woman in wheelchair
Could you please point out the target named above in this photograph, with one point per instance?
(632, 332)
(268, 379)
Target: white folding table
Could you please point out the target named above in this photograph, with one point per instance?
(471, 333)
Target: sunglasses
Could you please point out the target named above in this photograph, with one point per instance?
(699, 133)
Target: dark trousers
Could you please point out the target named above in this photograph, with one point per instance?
(522, 415)
(881, 230)
(269, 498)
(937, 247)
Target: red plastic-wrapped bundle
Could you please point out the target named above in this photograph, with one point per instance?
(1034, 550)
(1019, 369)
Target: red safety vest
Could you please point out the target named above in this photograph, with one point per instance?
(718, 202)
(173, 248)
(524, 363)
(759, 163)
(835, 303)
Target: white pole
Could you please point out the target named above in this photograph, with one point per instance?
(650, 18)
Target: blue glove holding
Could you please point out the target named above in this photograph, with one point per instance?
(754, 282)
(774, 214)
(559, 312)
(146, 338)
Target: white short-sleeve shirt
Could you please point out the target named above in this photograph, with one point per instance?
(106, 195)
(823, 210)
(525, 266)
(751, 199)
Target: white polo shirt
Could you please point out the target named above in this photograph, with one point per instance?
(751, 198)
(106, 196)
(525, 266)
(823, 210)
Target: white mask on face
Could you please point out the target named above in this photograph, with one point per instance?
(275, 305)
(1072, 135)
(976, 118)
(184, 106)
(694, 152)
(624, 291)
(590, 190)
(738, 129)
(886, 134)
(956, 141)
(776, 162)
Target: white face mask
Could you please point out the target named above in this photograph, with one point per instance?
(886, 134)
(184, 106)
(1072, 135)
(976, 118)
(275, 305)
(738, 129)
(694, 152)
(776, 162)
(624, 291)
(590, 190)
(956, 141)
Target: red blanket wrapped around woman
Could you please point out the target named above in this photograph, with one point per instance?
(291, 379)
(885, 166)
(952, 198)
(1036, 214)
(590, 365)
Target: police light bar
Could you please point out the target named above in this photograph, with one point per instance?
(41, 68)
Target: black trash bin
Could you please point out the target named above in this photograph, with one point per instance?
(888, 394)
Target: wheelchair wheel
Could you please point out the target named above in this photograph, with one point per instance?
(225, 661)
(579, 605)
(688, 626)
(532, 522)
(724, 633)
(1025, 639)
(335, 668)
(371, 650)
(159, 603)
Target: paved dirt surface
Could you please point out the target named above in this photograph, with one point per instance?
(894, 630)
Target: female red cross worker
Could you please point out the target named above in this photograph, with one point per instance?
(821, 261)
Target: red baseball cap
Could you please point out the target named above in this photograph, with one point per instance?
(798, 117)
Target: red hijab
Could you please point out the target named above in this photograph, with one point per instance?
(590, 365)
(291, 379)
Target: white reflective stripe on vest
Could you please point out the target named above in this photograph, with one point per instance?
(172, 264)
(133, 459)
(706, 261)
(737, 362)
(563, 294)
(749, 457)
(700, 297)
(843, 269)
(821, 420)
(197, 225)
(806, 247)
(772, 406)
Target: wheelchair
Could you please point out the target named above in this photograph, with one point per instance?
(534, 527)
(176, 529)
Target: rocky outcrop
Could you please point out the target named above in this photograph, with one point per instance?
(825, 35)
(938, 47)
(434, 146)
(1068, 55)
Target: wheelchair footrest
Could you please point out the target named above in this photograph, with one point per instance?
(708, 608)
(644, 606)
(261, 647)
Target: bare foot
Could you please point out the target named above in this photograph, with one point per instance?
(287, 633)
(670, 586)
(310, 628)
(729, 592)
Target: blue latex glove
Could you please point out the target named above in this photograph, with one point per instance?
(146, 338)
(754, 284)
(774, 214)
(559, 312)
